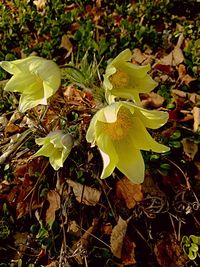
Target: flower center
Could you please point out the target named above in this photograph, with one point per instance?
(119, 130)
(119, 79)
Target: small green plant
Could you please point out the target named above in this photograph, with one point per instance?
(190, 246)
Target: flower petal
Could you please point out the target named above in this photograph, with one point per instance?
(142, 139)
(45, 150)
(130, 162)
(108, 154)
(125, 55)
(26, 102)
(21, 81)
(152, 119)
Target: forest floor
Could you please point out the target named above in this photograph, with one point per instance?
(94, 222)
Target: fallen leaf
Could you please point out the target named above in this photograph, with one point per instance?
(54, 204)
(117, 237)
(152, 100)
(169, 253)
(85, 194)
(179, 93)
(163, 68)
(129, 192)
(128, 252)
(106, 229)
(52, 264)
(196, 114)
(189, 148)
(183, 76)
(175, 57)
(141, 58)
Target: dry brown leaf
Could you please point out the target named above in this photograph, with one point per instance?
(74, 228)
(179, 93)
(138, 56)
(54, 204)
(128, 252)
(189, 148)
(183, 76)
(175, 57)
(117, 237)
(141, 58)
(52, 264)
(106, 229)
(129, 192)
(196, 114)
(152, 100)
(85, 194)
(169, 253)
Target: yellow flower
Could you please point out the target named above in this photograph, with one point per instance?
(119, 131)
(56, 146)
(35, 78)
(125, 79)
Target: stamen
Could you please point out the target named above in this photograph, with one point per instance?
(119, 130)
(119, 79)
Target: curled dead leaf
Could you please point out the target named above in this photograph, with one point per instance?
(189, 148)
(117, 237)
(152, 100)
(85, 194)
(175, 57)
(129, 192)
(54, 204)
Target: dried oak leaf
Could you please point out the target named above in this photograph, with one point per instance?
(152, 100)
(189, 148)
(183, 76)
(117, 237)
(54, 204)
(175, 57)
(129, 192)
(169, 253)
(85, 194)
(128, 252)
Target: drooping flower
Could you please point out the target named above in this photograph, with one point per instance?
(35, 78)
(56, 146)
(125, 79)
(119, 131)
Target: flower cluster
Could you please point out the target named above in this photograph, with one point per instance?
(119, 129)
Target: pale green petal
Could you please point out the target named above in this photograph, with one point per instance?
(91, 131)
(41, 141)
(45, 150)
(21, 82)
(56, 159)
(26, 102)
(123, 56)
(10, 67)
(135, 71)
(106, 82)
(143, 140)
(152, 119)
(108, 154)
(131, 162)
